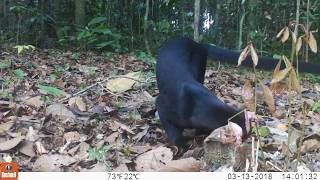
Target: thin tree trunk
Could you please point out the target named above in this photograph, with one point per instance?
(145, 27)
(183, 18)
(196, 35)
(80, 12)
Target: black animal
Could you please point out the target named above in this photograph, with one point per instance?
(183, 101)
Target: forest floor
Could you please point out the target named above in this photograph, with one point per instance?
(67, 111)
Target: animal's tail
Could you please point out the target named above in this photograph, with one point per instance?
(231, 57)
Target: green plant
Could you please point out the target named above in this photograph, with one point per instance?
(50, 90)
(145, 57)
(19, 73)
(316, 107)
(22, 48)
(99, 35)
(100, 154)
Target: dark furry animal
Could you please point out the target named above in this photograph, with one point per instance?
(183, 101)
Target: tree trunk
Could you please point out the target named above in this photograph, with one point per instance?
(145, 28)
(196, 35)
(80, 12)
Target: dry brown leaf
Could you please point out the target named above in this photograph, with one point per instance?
(40, 149)
(286, 61)
(34, 101)
(124, 83)
(254, 55)
(228, 134)
(280, 75)
(78, 101)
(312, 43)
(268, 98)
(72, 136)
(52, 163)
(243, 55)
(295, 81)
(285, 35)
(181, 165)
(111, 139)
(121, 168)
(27, 149)
(59, 110)
(124, 127)
(298, 45)
(311, 143)
(280, 33)
(7, 145)
(154, 159)
(248, 95)
(5, 127)
(140, 149)
(141, 134)
(32, 135)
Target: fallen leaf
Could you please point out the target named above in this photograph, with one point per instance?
(125, 83)
(78, 101)
(34, 101)
(59, 110)
(124, 127)
(31, 135)
(52, 163)
(311, 143)
(140, 149)
(121, 168)
(181, 165)
(7, 145)
(5, 127)
(154, 159)
(141, 134)
(27, 149)
(72, 136)
(40, 149)
(229, 134)
(112, 138)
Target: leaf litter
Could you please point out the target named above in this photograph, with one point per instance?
(97, 113)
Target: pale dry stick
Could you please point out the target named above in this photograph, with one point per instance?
(274, 166)
(256, 158)
(247, 165)
(229, 119)
(252, 154)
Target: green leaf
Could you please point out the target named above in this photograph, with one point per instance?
(19, 73)
(97, 20)
(316, 107)
(50, 90)
(4, 65)
(21, 48)
(263, 131)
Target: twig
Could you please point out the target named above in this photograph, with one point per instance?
(256, 158)
(274, 166)
(236, 115)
